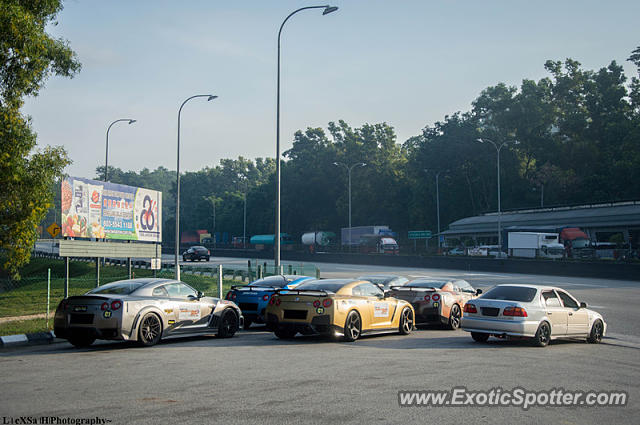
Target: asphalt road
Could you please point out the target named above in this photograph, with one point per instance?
(256, 378)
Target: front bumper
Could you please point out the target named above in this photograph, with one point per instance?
(500, 327)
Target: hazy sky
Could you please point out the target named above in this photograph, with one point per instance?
(407, 63)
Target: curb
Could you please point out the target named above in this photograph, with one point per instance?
(37, 338)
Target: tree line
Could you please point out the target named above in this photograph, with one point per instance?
(578, 134)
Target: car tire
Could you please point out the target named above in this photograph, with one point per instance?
(407, 321)
(597, 330)
(479, 336)
(81, 340)
(228, 324)
(454, 317)
(150, 330)
(352, 326)
(285, 333)
(208, 258)
(247, 324)
(543, 335)
(184, 258)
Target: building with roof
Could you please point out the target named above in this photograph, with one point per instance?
(599, 221)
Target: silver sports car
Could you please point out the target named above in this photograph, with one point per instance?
(541, 313)
(143, 310)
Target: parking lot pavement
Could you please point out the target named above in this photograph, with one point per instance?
(257, 378)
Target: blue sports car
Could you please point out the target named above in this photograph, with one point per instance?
(253, 298)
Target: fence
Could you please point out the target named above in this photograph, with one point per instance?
(24, 303)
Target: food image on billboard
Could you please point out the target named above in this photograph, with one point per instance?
(99, 210)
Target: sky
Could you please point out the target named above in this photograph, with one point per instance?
(408, 63)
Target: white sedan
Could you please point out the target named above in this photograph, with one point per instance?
(541, 313)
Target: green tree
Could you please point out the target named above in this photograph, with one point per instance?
(28, 56)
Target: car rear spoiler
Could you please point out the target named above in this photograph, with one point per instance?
(253, 288)
(412, 288)
(317, 292)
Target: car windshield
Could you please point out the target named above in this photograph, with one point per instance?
(124, 287)
(511, 293)
(427, 283)
(329, 285)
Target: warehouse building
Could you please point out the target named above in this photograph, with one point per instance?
(601, 222)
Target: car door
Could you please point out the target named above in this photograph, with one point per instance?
(382, 308)
(192, 314)
(556, 312)
(161, 296)
(578, 318)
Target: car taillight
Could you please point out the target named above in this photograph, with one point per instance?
(278, 301)
(104, 306)
(265, 297)
(116, 304)
(327, 302)
(233, 295)
(514, 311)
(427, 298)
(272, 301)
(435, 297)
(316, 303)
(228, 297)
(470, 308)
(64, 304)
(208, 252)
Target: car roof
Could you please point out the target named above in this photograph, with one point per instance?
(530, 285)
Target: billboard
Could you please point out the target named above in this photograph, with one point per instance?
(103, 210)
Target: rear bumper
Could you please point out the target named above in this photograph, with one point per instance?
(499, 327)
(97, 333)
(318, 325)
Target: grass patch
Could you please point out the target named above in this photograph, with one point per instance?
(29, 295)
(25, 326)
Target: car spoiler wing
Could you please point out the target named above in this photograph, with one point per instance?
(253, 288)
(412, 288)
(317, 292)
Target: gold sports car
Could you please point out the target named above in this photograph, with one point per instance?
(337, 307)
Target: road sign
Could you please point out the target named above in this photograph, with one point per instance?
(419, 234)
(156, 263)
(54, 229)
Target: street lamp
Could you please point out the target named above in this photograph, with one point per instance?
(327, 9)
(106, 155)
(438, 202)
(498, 148)
(349, 168)
(177, 263)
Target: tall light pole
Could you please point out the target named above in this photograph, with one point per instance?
(327, 9)
(106, 155)
(498, 148)
(437, 201)
(349, 168)
(177, 253)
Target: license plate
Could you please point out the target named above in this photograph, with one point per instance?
(80, 308)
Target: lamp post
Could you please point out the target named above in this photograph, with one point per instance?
(438, 202)
(498, 148)
(177, 253)
(327, 9)
(349, 168)
(106, 155)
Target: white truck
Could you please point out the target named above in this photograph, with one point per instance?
(533, 244)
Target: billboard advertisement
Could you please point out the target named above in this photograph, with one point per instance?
(103, 210)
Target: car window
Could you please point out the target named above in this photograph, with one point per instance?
(511, 293)
(124, 287)
(465, 286)
(371, 290)
(179, 290)
(160, 291)
(550, 299)
(567, 300)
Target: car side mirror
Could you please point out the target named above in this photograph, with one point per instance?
(583, 305)
(478, 291)
(200, 295)
(386, 294)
